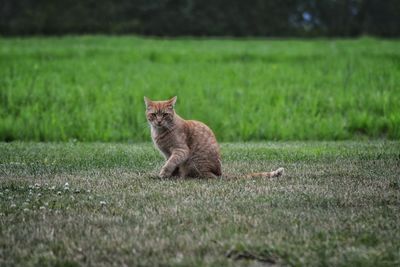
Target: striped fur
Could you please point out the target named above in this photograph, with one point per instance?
(189, 147)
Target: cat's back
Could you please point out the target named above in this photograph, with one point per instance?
(199, 130)
(204, 149)
(201, 138)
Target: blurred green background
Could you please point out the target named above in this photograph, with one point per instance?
(91, 88)
(250, 69)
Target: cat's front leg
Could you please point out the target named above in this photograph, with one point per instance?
(177, 157)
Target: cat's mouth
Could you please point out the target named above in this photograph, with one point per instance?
(158, 125)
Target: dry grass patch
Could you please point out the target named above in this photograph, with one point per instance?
(100, 205)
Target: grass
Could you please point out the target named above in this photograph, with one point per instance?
(337, 205)
(91, 88)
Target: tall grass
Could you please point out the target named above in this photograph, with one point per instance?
(91, 88)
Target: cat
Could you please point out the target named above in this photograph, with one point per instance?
(189, 147)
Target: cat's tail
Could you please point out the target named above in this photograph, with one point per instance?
(276, 173)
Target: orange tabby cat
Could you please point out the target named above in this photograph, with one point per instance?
(190, 147)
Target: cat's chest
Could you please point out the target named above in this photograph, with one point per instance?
(164, 142)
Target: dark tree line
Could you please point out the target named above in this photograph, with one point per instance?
(202, 17)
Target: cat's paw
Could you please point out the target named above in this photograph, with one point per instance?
(164, 173)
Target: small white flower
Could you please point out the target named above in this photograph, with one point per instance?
(7, 190)
(26, 210)
(53, 187)
(46, 204)
(59, 193)
(90, 197)
(37, 185)
(77, 191)
(42, 208)
(30, 186)
(88, 191)
(39, 195)
(179, 257)
(66, 184)
(13, 205)
(103, 203)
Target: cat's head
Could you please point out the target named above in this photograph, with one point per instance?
(160, 114)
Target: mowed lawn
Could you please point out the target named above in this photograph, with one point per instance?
(91, 88)
(98, 204)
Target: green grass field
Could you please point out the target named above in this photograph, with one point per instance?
(74, 203)
(337, 205)
(91, 88)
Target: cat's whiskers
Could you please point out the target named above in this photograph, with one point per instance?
(169, 128)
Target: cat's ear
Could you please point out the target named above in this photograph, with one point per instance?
(172, 101)
(147, 101)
